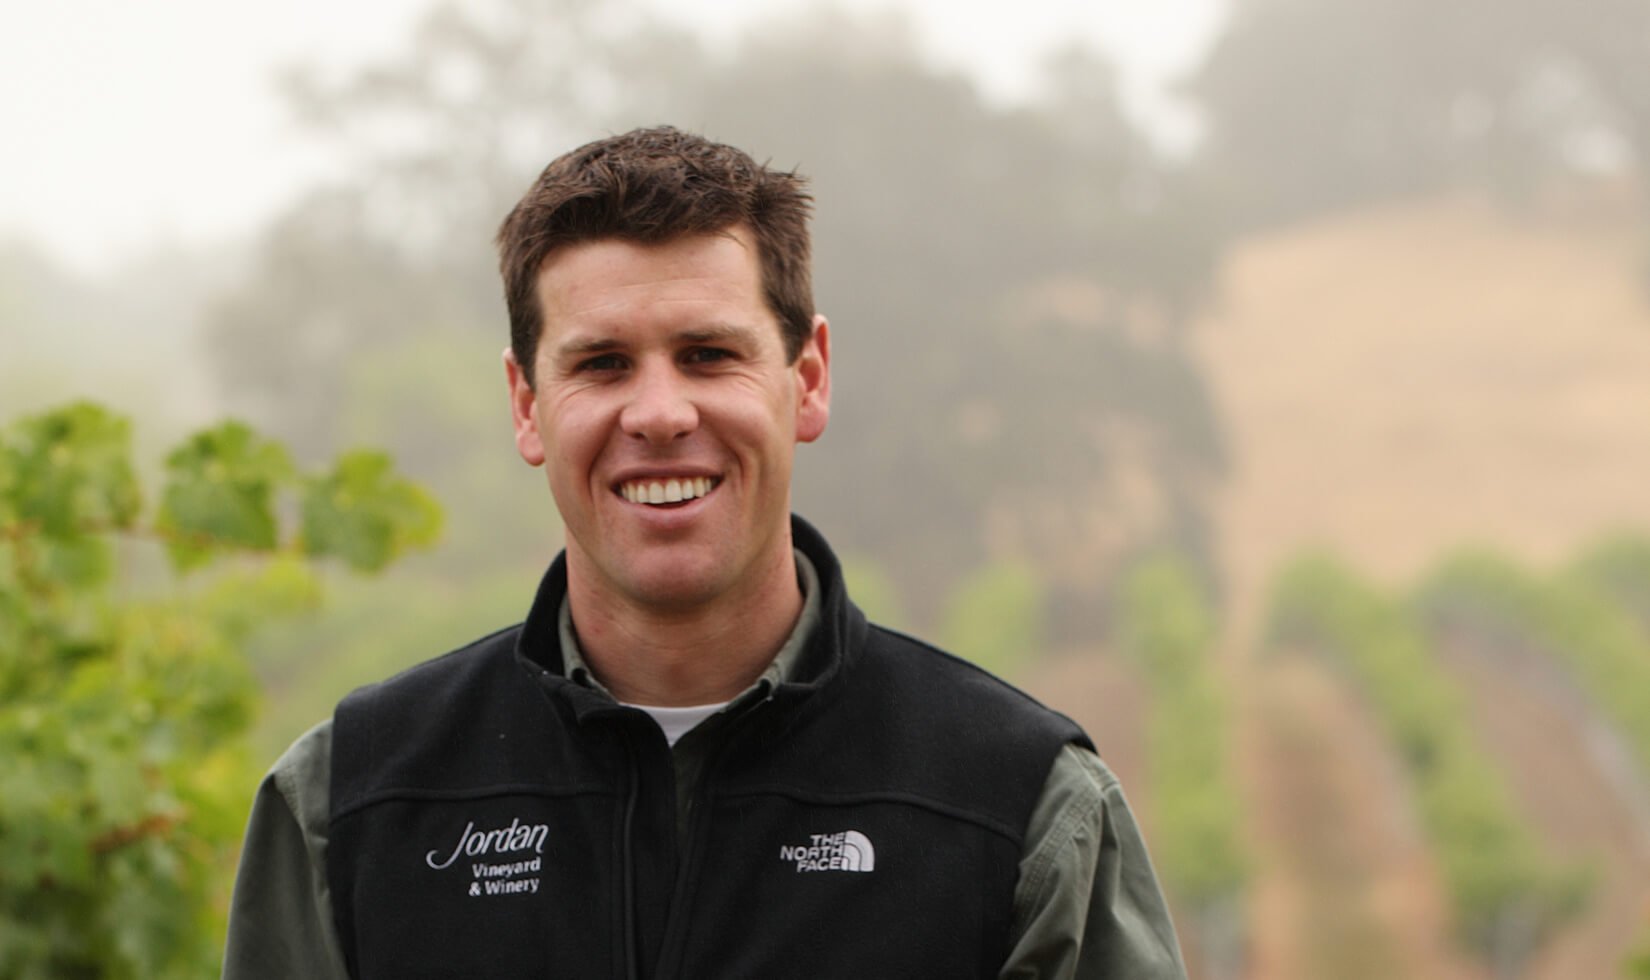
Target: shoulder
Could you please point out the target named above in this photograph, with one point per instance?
(439, 672)
(439, 724)
(441, 676)
(300, 778)
(1072, 812)
(947, 691)
(940, 729)
(1088, 902)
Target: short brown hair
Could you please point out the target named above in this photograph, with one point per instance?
(655, 185)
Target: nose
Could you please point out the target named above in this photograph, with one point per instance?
(660, 408)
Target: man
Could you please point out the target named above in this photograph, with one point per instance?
(694, 758)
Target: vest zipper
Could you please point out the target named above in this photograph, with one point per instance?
(628, 859)
(687, 870)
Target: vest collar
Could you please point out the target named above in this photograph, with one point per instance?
(839, 630)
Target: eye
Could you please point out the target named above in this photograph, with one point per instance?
(600, 363)
(706, 355)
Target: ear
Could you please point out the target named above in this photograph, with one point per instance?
(524, 411)
(813, 380)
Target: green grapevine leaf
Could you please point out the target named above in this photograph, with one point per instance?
(220, 493)
(365, 514)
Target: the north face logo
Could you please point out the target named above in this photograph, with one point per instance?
(848, 851)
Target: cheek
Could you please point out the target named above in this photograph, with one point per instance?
(768, 433)
(572, 440)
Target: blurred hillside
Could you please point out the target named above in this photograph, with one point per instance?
(1402, 379)
(1395, 382)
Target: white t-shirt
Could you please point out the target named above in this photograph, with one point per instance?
(676, 722)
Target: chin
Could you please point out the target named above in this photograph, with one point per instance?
(676, 586)
(673, 596)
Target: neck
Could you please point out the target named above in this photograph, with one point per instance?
(704, 654)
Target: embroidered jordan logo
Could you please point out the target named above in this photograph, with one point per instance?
(502, 861)
(849, 850)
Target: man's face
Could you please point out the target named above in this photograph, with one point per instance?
(667, 418)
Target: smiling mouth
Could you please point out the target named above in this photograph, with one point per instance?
(674, 491)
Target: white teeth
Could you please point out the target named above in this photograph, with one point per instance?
(666, 492)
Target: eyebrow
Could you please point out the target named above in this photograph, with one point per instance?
(715, 333)
(580, 346)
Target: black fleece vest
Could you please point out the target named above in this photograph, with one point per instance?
(491, 818)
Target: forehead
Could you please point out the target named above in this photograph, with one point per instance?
(620, 278)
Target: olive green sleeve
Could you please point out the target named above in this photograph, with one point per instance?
(1087, 905)
(280, 919)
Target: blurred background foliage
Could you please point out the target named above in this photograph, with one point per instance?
(126, 693)
(1095, 399)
